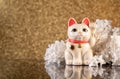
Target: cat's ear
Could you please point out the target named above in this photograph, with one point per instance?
(86, 21)
(71, 21)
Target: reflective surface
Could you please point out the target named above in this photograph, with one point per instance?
(82, 72)
(34, 69)
(22, 69)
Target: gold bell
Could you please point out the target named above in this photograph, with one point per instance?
(79, 46)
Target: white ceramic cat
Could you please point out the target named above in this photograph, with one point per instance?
(80, 39)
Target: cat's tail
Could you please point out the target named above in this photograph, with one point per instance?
(55, 53)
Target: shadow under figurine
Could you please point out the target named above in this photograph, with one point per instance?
(81, 39)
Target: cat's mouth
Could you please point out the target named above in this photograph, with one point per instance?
(79, 38)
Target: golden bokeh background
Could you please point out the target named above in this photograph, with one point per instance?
(28, 26)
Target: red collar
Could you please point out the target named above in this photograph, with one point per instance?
(78, 41)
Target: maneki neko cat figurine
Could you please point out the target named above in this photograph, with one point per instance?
(79, 44)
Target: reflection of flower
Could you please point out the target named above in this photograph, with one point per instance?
(96, 71)
(55, 71)
(105, 73)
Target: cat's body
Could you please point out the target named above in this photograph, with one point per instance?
(78, 51)
(78, 55)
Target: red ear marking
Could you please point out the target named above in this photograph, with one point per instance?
(71, 21)
(86, 21)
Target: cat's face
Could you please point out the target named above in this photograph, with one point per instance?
(79, 31)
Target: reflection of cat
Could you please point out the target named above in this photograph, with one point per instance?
(78, 51)
(77, 72)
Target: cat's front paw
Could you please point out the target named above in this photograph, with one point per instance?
(77, 62)
(86, 62)
(69, 62)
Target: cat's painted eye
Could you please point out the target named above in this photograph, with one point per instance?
(85, 30)
(74, 30)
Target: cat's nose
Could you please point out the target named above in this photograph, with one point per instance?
(80, 33)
